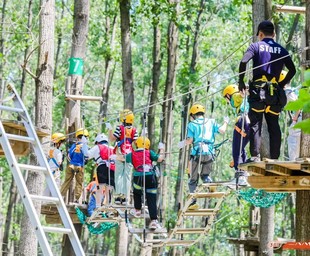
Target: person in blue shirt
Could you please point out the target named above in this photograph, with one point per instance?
(201, 135)
(267, 97)
(241, 130)
(76, 156)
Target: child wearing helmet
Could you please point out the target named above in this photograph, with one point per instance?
(142, 159)
(124, 135)
(55, 158)
(201, 134)
(78, 152)
(101, 153)
(241, 131)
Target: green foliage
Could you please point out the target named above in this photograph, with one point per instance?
(302, 103)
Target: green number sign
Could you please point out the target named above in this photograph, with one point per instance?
(76, 66)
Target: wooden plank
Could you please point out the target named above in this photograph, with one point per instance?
(278, 169)
(200, 212)
(245, 166)
(290, 9)
(147, 231)
(280, 183)
(180, 242)
(305, 167)
(257, 171)
(190, 231)
(209, 195)
(82, 97)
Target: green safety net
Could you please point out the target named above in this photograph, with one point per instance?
(94, 228)
(261, 198)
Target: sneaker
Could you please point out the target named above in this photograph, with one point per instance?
(136, 213)
(207, 179)
(193, 206)
(123, 200)
(253, 159)
(118, 200)
(154, 225)
(242, 181)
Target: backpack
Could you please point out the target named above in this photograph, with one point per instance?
(126, 138)
(105, 152)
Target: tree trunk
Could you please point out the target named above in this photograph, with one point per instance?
(43, 115)
(9, 217)
(266, 231)
(302, 196)
(26, 52)
(157, 56)
(128, 88)
(109, 67)
(2, 36)
(121, 239)
(78, 52)
(167, 107)
(59, 39)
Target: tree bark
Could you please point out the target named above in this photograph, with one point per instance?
(109, 67)
(167, 107)
(121, 239)
(128, 88)
(59, 39)
(302, 196)
(2, 41)
(43, 115)
(26, 52)
(266, 230)
(9, 217)
(157, 56)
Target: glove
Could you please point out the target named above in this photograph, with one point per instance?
(241, 86)
(226, 119)
(108, 126)
(113, 157)
(181, 144)
(84, 140)
(161, 145)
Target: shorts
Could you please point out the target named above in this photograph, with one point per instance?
(103, 173)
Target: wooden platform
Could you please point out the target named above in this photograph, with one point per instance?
(279, 176)
(17, 128)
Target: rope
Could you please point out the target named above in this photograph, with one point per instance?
(261, 198)
(93, 229)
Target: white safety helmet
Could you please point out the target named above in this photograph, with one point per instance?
(101, 137)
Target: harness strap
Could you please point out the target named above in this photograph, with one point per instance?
(242, 133)
(264, 79)
(267, 110)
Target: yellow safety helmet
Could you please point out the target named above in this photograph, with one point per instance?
(126, 116)
(81, 131)
(143, 142)
(230, 90)
(58, 137)
(282, 75)
(197, 108)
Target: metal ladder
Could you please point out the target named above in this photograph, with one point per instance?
(43, 166)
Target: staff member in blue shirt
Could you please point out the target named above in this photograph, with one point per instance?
(267, 96)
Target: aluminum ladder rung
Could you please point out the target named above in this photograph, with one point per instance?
(6, 108)
(45, 198)
(57, 230)
(32, 167)
(20, 138)
(190, 231)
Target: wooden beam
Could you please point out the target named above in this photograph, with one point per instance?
(200, 212)
(147, 231)
(256, 171)
(190, 231)
(277, 169)
(280, 183)
(209, 195)
(82, 97)
(290, 9)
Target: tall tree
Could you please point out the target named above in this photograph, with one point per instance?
(302, 197)
(43, 114)
(128, 88)
(2, 32)
(75, 85)
(167, 108)
(262, 11)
